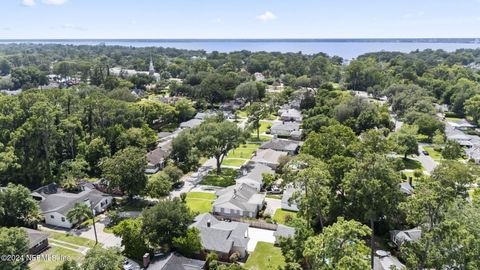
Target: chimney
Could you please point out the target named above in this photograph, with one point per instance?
(146, 260)
(208, 223)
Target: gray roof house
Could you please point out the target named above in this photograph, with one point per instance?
(473, 154)
(253, 175)
(399, 237)
(55, 202)
(238, 201)
(37, 241)
(222, 237)
(176, 261)
(383, 260)
(287, 202)
(282, 145)
(291, 115)
(268, 157)
(156, 160)
(192, 123)
(283, 231)
(287, 129)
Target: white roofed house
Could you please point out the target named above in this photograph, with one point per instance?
(238, 201)
(288, 202)
(223, 238)
(56, 202)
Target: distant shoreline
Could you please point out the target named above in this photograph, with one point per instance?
(306, 40)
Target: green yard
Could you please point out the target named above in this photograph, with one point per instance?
(76, 240)
(200, 202)
(411, 164)
(244, 151)
(51, 264)
(433, 153)
(265, 256)
(281, 215)
(225, 179)
(233, 162)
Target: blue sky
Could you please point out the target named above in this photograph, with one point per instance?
(239, 18)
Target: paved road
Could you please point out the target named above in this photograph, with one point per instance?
(427, 161)
(107, 239)
(259, 235)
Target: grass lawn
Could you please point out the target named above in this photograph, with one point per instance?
(225, 179)
(89, 221)
(233, 162)
(411, 164)
(244, 151)
(200, 202)
(51, 264)
(280, 215)
(433, 153)
(453, 118)
(264, 126)
(265, 256)
(242, 114)
(263, 138)
(76, 240)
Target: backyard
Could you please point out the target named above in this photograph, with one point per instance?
(265, 256)
(200, 202)
(224, 179)
(238, 156)
(281, 216)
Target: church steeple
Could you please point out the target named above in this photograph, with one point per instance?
(151, 69)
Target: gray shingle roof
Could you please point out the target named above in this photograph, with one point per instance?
(193, 123)
(221, 236)
(281, 145)
(256, 170)
(35, 237)
(242, 197)
(176, 262)
(284, 231)
(156, 156)
(58, 200)
(268, 156)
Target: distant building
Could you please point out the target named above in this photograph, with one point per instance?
(223, 238)
(287, 130)
(291, 115)
(192, 123)
(238, 201)
(473, 153)
(259, 77)
(55, 202)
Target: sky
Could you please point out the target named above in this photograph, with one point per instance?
(204, 19)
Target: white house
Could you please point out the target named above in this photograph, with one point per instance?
(288, 203)
(55, 202)
(238, 201)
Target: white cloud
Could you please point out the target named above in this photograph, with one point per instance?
(54, 2)
(267, 16)
(28, 3)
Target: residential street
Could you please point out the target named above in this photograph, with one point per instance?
(427, 161)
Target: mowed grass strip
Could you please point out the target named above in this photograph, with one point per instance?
(265, 256)
(51, 264)
(200, 202)
(281, 216)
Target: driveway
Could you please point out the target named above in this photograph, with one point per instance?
(259, 235)
(427, 162)
(272, 205)
(106, 239)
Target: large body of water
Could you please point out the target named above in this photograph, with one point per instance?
(346, 48)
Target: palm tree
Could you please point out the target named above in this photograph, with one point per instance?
(80, 212)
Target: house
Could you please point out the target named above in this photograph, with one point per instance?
(462, 139)
(156, 160)
(205, 115)
(268, 157)
(37, 241)
(289, 146)
(288, 203)
(56, 202)
(259, 77)
(254, 175)
(164, 136)
(406, 188)
(175, 261)
(291, 115)
(473, 154)
(383, 260)
(287, 129)
(224, 238)
(283, 231)
(192, 123)
(399, 237)
(238, 201)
